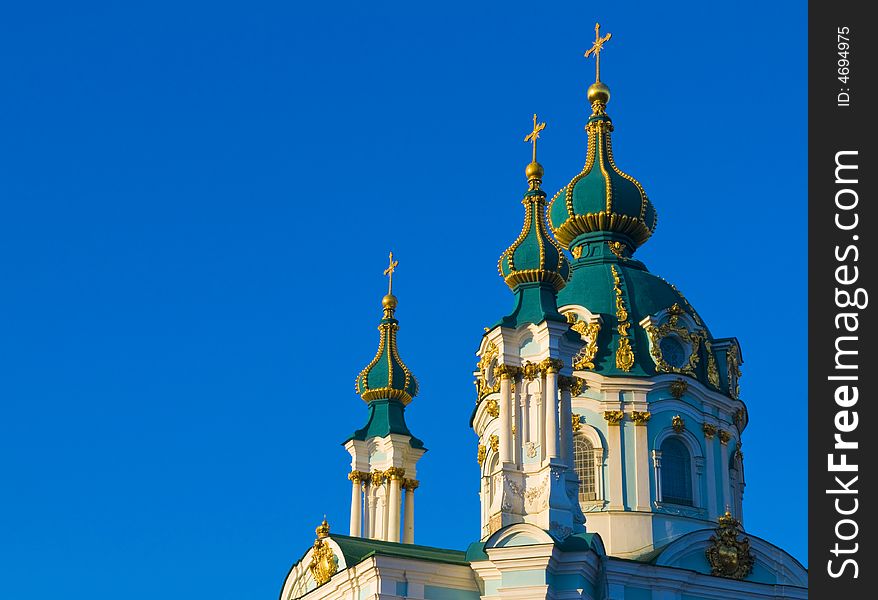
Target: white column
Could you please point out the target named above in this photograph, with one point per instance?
(408, 529)
(614, 460)
(393, 504)
(505, 417)
(371, 501)
(566, 424)
(550, 401)
(356, 503)
(657, 465)
(724, 438)
(641, 464)
(710, 461)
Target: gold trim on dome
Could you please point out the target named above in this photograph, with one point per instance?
(624, 353)
(712, 371)
(732, 362)
(542, 274)
(386, 392)
(577, 225)
(387, 335)
(617, 248)
(584, 359)
(670, 328)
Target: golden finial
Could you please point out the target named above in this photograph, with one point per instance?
(534, 170)
(389, 272)
(596, 49)
(534, 135)
(389, 301)
(322, 529)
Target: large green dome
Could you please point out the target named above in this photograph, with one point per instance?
(601, 198)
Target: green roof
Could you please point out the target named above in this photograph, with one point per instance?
(385, 417)
(356, 550)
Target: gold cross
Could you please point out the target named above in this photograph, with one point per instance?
(389, 272)
(596, 49)
(534, 135)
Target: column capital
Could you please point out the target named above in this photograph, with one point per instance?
(709, 430)
(410, 485)
(614, 417)
(394, 473)
(640, 417)
(724, 437)
(551, 365)
(358, 476)
(506, 371)
(377, 478)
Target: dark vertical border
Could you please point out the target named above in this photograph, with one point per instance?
(842, 258)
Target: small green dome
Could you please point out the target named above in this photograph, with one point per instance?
(387, 377)
(601, 198)
(535, 256)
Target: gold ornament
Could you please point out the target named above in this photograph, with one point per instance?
(672, 328)
(678, 423)
(494, 442)
(577, 422)
(596, 50)
(482, 453)
(624, 353)
(724, 437)
(709, 430)
(732, 360)
(712, 371)
(729, 556)
(584, 359)
(324, 563)
(485, 362)
(493, 408)
(678, 388)
(640, 417)
(617, 248)
(614, 417)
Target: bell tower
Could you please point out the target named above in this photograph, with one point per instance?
(523, 417)
(384, 452)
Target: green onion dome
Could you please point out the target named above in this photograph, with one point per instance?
(601, 199)
(535, 257)
(387, 377)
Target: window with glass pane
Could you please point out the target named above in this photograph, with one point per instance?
(583, 457)
(676, 473)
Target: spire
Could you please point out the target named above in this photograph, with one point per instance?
(387, 377)
(602, 203)
(534, 257)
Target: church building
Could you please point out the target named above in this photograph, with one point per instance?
(609, 429)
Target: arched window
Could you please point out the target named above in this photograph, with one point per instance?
(676, 473)
(583, 460)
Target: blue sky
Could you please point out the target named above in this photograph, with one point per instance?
(197, 204)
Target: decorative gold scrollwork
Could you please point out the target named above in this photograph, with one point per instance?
(324, 563)
(673, 328)
(584, 359)
(483, 388)
(729, 556)
(624, 353)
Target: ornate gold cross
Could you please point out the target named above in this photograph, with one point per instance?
(534, 135)
(596, 49)
(389, 272)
